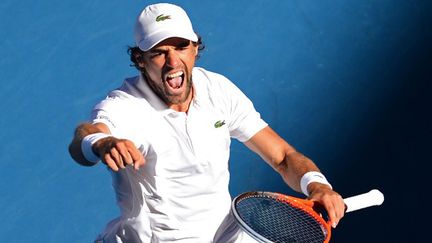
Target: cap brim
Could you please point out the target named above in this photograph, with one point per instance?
(158, 37)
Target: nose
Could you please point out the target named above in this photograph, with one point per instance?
(172, 59)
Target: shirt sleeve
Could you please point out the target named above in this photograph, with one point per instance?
(108, 112)
(244, 120)
(117, 112)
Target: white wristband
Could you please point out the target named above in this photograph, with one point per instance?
(87, 144)
(312, 176)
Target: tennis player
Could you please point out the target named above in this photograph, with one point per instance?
(165, 136)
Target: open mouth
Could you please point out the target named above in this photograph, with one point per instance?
(175, 80)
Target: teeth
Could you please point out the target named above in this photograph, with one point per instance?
(175, 80)
(175, 75)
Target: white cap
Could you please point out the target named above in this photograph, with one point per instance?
(161, 21)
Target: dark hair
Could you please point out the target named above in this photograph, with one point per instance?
(136, 54)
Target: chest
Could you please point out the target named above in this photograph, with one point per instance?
(180, 145)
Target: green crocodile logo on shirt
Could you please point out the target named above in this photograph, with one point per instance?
(219, 124)
(162, 17)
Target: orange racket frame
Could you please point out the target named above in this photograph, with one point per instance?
(368, 199)
(308, 207)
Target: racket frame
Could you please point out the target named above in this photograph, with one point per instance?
(301, 204)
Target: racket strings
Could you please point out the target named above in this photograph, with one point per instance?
(279, 221)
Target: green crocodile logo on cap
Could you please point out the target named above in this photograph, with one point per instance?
(162, 17)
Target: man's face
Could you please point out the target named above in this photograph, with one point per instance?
(168, 69)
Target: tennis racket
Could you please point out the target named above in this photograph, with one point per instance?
(274, 217)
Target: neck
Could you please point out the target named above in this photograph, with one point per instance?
(184, 106)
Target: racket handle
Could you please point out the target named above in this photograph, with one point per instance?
(368, 199)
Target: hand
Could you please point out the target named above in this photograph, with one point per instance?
(329, 199)
(118, 153)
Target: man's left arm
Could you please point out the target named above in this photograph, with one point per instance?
(292, 165)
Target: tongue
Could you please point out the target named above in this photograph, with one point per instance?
(175, 82)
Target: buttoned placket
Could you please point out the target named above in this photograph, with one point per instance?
(193, 121)
(179, 121)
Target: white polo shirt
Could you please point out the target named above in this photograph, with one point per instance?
(181, 194)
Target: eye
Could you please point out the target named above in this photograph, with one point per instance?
(183, 46)
(156, 54)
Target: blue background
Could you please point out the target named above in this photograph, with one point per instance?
(347, 82)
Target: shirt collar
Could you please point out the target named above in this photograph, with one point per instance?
(139, 88)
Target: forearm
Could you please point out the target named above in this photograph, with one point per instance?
(284, 158)
(81, 131)
(293, 166)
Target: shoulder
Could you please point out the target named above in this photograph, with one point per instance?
(121, 96)
(211, 81)
(200, 73)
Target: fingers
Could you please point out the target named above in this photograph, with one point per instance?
(110, 162)
(121, 154)
(118, 153)
(136, 157)
(332, 202)
(335, 209)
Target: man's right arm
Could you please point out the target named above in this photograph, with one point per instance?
(81, 131)
(114, 152)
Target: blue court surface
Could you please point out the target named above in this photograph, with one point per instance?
(346, 82)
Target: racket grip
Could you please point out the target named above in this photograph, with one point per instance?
(368, 199)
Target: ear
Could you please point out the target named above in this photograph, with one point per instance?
(196, 50)
(140, 60)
